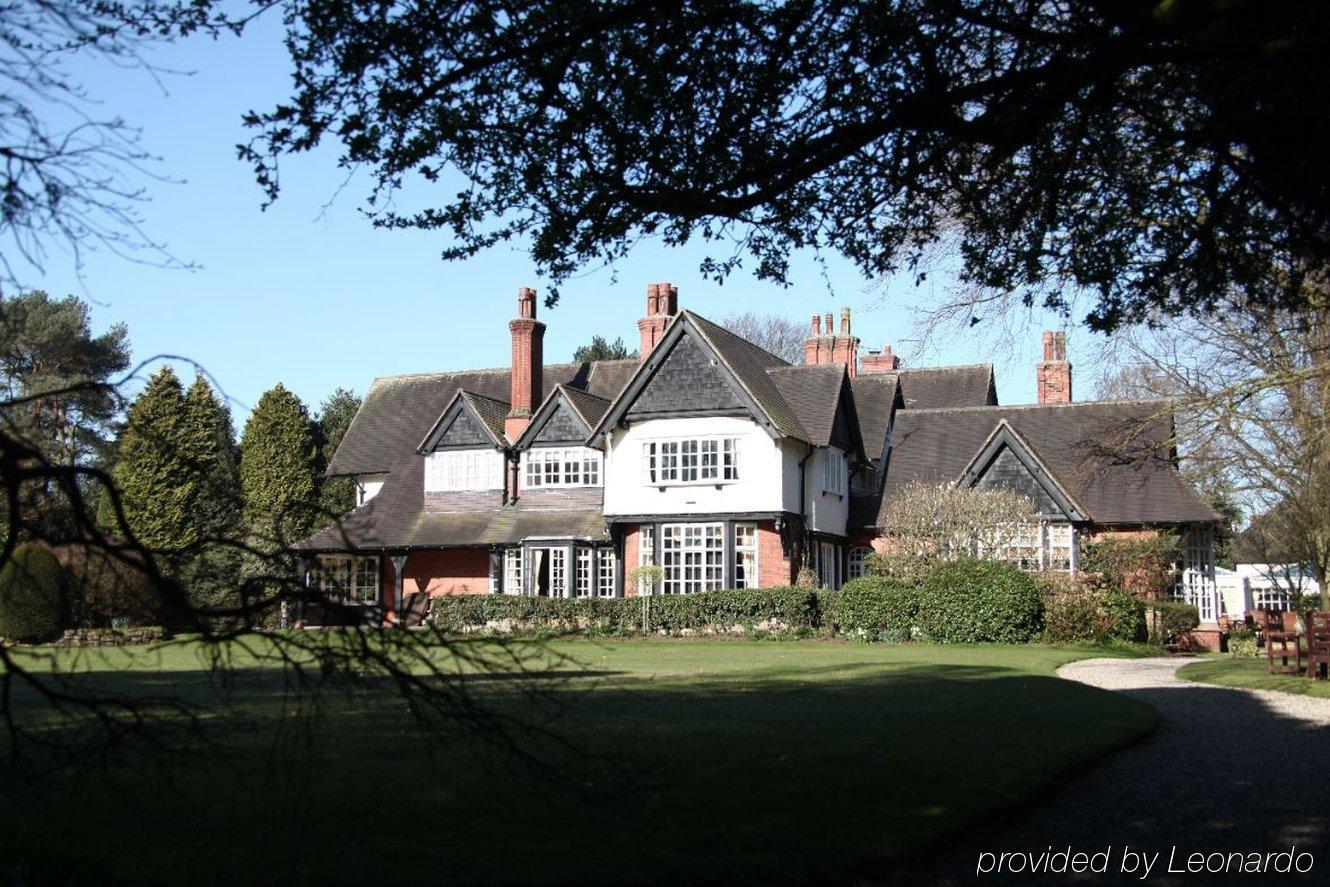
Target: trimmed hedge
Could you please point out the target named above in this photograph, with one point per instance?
(32, 595)
(971, 601)
(732, 610)
(1172, 621)
(875, 608)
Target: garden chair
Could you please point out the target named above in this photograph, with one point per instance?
(1318, 643)
(1281, 641)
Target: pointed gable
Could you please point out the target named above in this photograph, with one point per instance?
(1008, 462)
(688, 381)
(469, 421)
(560, 425)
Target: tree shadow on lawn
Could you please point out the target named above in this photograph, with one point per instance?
(826, 774)
(1225, 772)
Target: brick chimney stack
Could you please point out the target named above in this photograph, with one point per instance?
(528, 368)
(883, 361)
(662, 305)
(831, 346)
(1053, 373)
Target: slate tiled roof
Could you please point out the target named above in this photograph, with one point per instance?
(932, 388)
(750, 364)
(811, 393)
(874, 393)
(590, 407)
(1113, 457)
(490, 410)
(398, 411)
(396, 519)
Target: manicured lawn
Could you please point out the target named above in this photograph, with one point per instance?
(1251, 674)
(684, 761)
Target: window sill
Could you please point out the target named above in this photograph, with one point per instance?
(827, 494)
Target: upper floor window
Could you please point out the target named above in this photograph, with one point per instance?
(690, 460)
(448, 470)
(833, 473)
(552, 467)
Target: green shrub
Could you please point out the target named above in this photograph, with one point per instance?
(1242, 642)
(1172, 620)
(754, 611)
(1124, 616)
(973, 601)
(875, 608)
(32, 595)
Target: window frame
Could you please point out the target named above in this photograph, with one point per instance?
(692, 556)
(691, 460)
(454, 471)
(350, 567)
(583, 462)
(834, 472)
(747, 556)
(857, 562)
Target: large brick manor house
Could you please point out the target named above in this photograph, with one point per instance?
(720, 463)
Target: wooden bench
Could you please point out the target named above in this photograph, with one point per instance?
(1282, 642)
(1318, 643)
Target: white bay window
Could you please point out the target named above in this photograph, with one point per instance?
(692, 557)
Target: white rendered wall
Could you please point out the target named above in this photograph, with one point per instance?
(759, 487)
(368, 486)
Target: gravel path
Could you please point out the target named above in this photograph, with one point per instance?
(1201, 783)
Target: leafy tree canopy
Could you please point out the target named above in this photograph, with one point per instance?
(1152, 154)
(601, 348)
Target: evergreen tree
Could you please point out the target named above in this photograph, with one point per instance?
(211, 573)
(338, 494)
(601, 348)
(151, 472)
(279, 480)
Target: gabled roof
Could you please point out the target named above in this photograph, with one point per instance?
(1006, 438)
(815, 394)
(875, 397)
(398, 411)
(488, 413)
(586, 408)
(745, 363)
(930, 388)
(1114, 458)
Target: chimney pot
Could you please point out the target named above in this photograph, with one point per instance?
(662, 305)
(1053, 373)
(817, 324)
(845, 321)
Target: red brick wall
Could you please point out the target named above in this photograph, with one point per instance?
(454, 571)
(630, 549)
(773, 568)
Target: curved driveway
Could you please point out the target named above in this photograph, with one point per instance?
(1228, 770)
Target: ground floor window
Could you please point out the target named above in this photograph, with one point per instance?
(859, 562)
(692, 557)
(605, 578)
(347, 577)
(1269, 597)
(745, 556)
(827, 566)
(512, 571)
(1038, 547)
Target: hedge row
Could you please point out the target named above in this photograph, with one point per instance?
(966, 602)
(729, 611)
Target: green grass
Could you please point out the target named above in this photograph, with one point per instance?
(685, 760)
(1251, 674)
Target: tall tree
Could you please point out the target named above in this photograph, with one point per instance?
(152, 472)
(59, 385)
(1053, 144)
(210, 573)
(279, 480)
(782, 336)
(1249, 388)
(600, 348)
(337, 495)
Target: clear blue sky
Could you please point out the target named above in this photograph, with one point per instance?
(316, 298)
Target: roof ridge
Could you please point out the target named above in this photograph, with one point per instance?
(466, 392)
(941, 369)
(1044, 406)
(731, 332)
(502, 369)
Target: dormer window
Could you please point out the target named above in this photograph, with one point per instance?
(690, 460)
(555, 467)
(453, 470)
